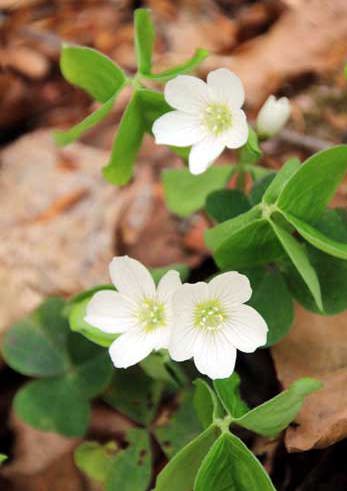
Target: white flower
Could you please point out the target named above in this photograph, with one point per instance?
(139, 311)
(273, 116)
(207, 116)
(212, 322)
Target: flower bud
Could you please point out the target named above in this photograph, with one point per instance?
(273, 116)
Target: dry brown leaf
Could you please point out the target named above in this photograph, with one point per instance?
(316, 347)
(311, 38)
(41, 461)
(57, 222)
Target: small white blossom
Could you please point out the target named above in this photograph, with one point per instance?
(207, 116)
(139, 311)
(212, 322)
(273, 116)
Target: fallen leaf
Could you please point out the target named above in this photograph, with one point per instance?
(316, 347)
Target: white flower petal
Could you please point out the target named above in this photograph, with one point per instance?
(246, 330)
(226, 86)
(187, 93)
(110, 312)
(185, 334)
(237, 136)
(232, 288)
(168, 284)
(204, 153)
(214, 356)
(178, 128)
(130, 348)
(131, 278)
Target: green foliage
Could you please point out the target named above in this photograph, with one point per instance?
(96, 460)
(144, 39)
(298, 256)
(251, 152)
(228, 391)
(199, 56)
(277, 184)
(134, 394)
(224, 204)
(311, 187)
(229, 465)
(274, 415)
(206, 404)
(91, 71)
(186, 193)
(179, 474)
(53, 404)
(72, 369)
(272, 299)
(182, 427)
(132, 468)
(3, 458)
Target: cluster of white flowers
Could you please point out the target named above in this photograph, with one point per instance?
(204, 321)
(208, 116)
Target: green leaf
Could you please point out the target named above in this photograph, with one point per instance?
(179, 474)
(132, 468)
(260, 186)
(186, 193)
(159, 366)
(63, 138)
(317, 238)
(36, 346)
(215, 236)
(332, 272)
(250, 246)
(299, 258)
(230, 466)
(153, 105)
(182, 427)
(53, 405)
(126, 144)
(287, 170)
(224, 204)
(91, 71)
(273, 416)
(271, 298)
(199, 56)
(310, 189)
(206, 404)
(77, 313)
(251, 152)
(228, 391)
(3, 458)
(144, 39)
(134, 394)
(158, 273)
(95, 460)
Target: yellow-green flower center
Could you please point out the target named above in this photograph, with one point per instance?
(209, 315)
(151, 314)
(217, 118)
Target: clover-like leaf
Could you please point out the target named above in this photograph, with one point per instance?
(179, 474)
(206, 403)
(144, 39)
(131, 468)
(299, 258)
(228, 391)
(96, 460)
(91, 71)
(229, 465)
(273, 416)
(186, 193)
(182, 427)
(223, 204)
(309, 190)
(198, 57)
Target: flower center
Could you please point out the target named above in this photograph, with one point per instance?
(209, 315)
(217, 118)
(151, 314)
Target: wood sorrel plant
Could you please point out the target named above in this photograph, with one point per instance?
(281, 236)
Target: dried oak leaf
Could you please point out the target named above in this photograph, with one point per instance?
(316, 347)
(310, 38)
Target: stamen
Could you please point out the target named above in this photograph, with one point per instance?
(151, 314)
(218, 118)
(210, 315)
